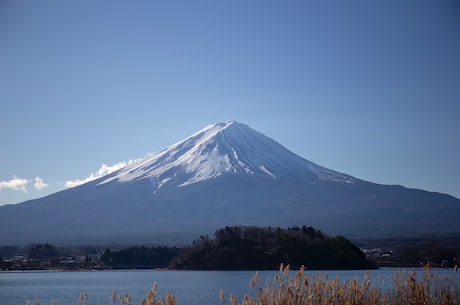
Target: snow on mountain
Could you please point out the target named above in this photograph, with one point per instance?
(224, 148)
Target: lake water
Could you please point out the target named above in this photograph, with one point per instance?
(190, 287)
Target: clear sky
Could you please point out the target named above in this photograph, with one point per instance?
(367, 88)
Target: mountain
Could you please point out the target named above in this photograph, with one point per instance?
(225, 174)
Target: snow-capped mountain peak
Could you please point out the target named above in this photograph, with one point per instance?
(223, 175)
(224, 148)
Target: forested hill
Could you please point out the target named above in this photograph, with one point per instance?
(255, 248)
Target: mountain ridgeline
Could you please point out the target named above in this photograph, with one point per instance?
(225, 175)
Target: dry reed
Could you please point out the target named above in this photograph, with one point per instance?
(407, 288)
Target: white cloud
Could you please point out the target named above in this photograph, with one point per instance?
(103, 170)
(15, 184)
(39, 184)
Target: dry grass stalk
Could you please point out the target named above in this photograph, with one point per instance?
(152, 300)
(408, 288)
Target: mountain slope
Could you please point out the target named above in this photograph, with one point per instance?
(225, 174)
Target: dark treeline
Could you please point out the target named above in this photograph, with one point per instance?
(46, 256)
(139, 257)
(249, 248)
(232, 248)
(414, 252)
(236, 248)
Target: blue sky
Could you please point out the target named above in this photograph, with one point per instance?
(368, 88)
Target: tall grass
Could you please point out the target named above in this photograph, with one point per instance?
(407, 288)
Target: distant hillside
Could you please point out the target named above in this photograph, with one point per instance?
(254, 248)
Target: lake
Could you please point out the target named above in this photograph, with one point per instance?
(190, 287)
